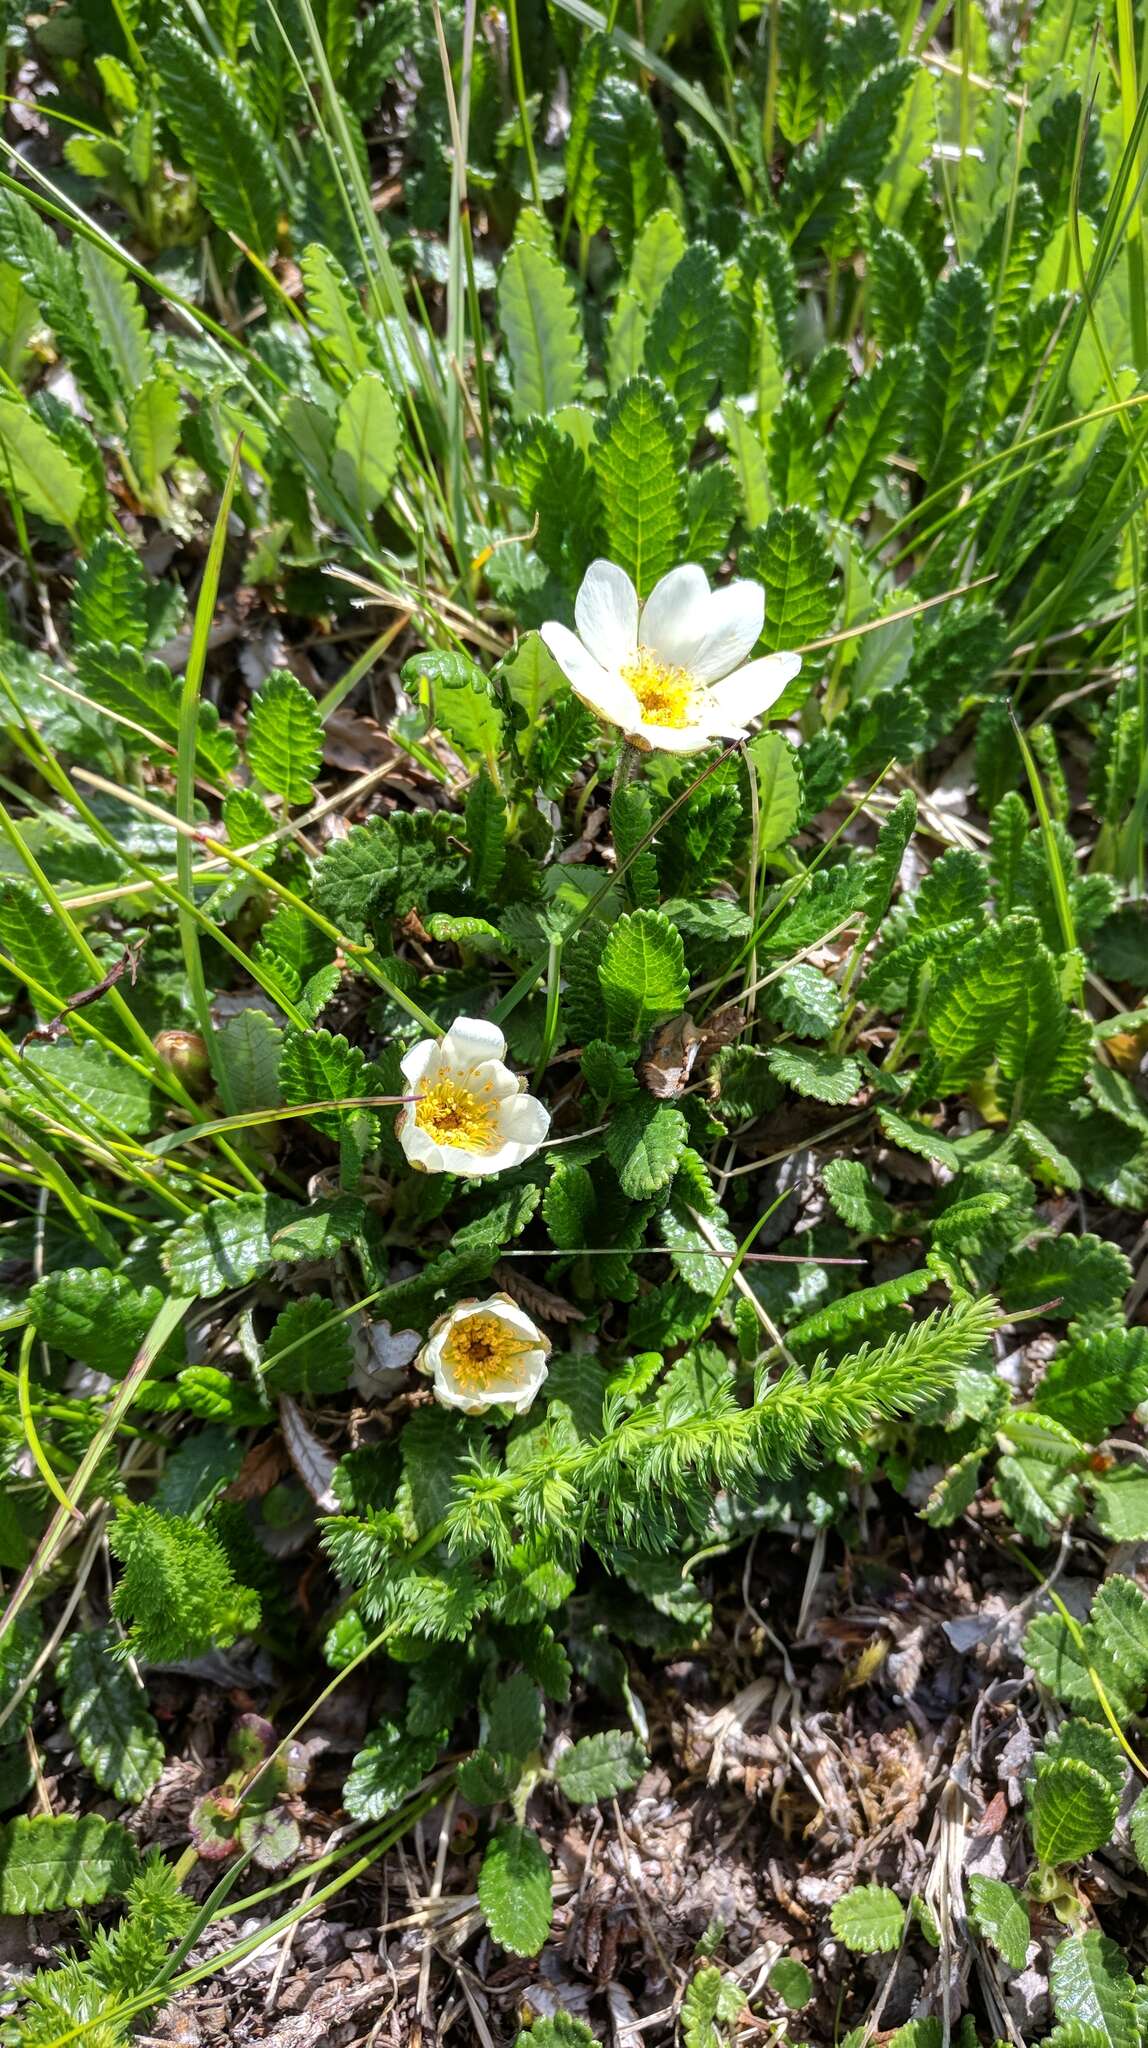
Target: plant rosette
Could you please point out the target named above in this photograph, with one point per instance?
(672, 673)
(470, 1114)
(485, 1354)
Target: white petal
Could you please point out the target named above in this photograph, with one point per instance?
(515, 1318)
(419, 1064)
(750, 691)
(671, 739)
(492, 1078)
(418, 1144)
(675, 615)
(524, 1120)
(733, 623)
(606, 614)
(535, 1371)
(450, 1396)
(473, 1165)
(430, 1357)
(469, 1041)
(605, 694)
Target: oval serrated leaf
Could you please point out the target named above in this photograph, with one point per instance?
(514, 1889)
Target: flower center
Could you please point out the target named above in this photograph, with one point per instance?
(483, 1349)
(453, 1114)
(665, 694)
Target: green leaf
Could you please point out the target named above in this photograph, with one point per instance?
(516, 1717)
(659, 248)
(1094, 1381)
(988, 1001)
(220, 138)
(514, 1890)
(539, 317)
(999, 1917)
(586, 197)
(1060, 1663)
(389, 865)
(748, 459)
(1090, 1985)
(486, 827)
(146, 693)
(804, 53)
(20, 1646)
(852, 1313)
(644, 1144)
(108, 1716)
(1118, 1627)
(246, 1053)
(334, 309)
(818, 195)
(177, 1590)
(953, 338)
(64, 1860)
(110, 598)
(600, 1765)
(93, 1315)
(869, 430)
(789, 557)
(561, 2032)
(794, 450)
(285, 737)
(869, 1919)
(639, 458)
(631, 820)
(711, 2004)
(689, 335)
(462, 700)
(487, 1779)
(1085, 1277)
(1072, 1811)
(792, 1982)
(569, 1207)
(389, 1767)
(1120, 1503)
(37, 470)
(1090, 1743)
(117, 312)
(1138, 1827)
(855, 1199)
(898, 288)
(233, 1242)
(368, 440)
(626, 142)
(642, 973)
(826, 1076)
(805, 1001)
(105, 1084)
(711, 508)
(318, 1356)
(779, 793)
(35, 941)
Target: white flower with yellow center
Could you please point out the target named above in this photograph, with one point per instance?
(672, 672)
(485, 1354)
(468, 1114)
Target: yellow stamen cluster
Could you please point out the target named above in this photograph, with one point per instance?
(665, 694)
(482, 1349)
(453, 1114)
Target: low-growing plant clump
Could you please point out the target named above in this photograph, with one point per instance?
(573, 956)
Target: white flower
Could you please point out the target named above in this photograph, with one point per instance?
(469, 1115)
(672, 673)
(485, 1354)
